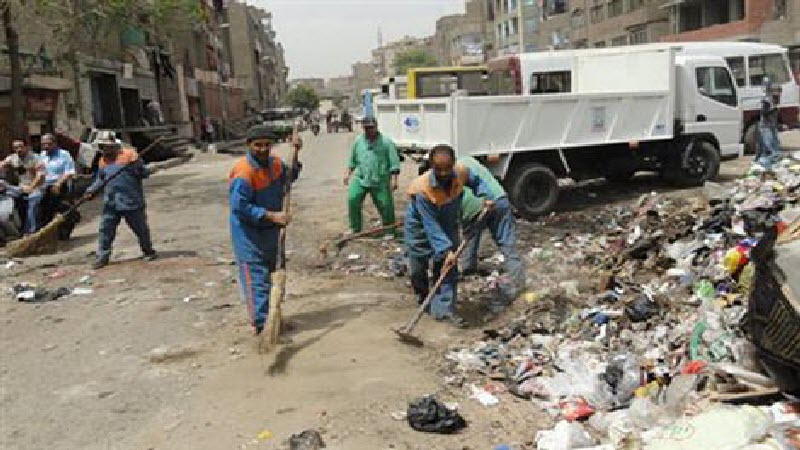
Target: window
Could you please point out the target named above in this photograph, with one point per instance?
(736, 64)
(638, 37)
(772, 66)
(530, 2)
(512, 6)
(578, 18)
(619, 41)
(600, 44)
(513, 26)
(551, 82)
(556, 7)
(715, 83)
(597, 14)
(779, 10)
(436, 85)
(614, 8)
(633, 5)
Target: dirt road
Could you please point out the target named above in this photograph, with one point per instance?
(160, 355)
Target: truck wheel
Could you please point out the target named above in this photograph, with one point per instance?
(534, 189)
(751, 139)
(703, 165)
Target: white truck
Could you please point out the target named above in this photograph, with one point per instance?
(629, 109)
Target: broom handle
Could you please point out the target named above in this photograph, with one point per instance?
(287, 197)
(105, 182)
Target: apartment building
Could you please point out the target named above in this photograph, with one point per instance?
(317, 84)
(383, 58)
(516, 25)
(256, 58)
(459, 38)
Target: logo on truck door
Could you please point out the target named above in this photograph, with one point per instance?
(411, 124)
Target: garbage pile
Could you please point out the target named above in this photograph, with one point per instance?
(644, 342)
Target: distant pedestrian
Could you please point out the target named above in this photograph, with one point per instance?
(501, 225)
(123, 197)
(769, 145)
(432, 227)
(373, 168)
(207, 130)
(257, 188)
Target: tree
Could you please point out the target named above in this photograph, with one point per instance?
(17, 125)
(303, 97)
(410, 59)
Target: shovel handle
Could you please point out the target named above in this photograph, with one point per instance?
(445, 271)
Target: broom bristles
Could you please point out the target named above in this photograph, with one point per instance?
(43, 241)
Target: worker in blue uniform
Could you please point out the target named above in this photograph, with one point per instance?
(257, 187)
(120, 176)
(432, 227)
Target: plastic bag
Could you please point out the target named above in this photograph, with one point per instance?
(565, 436)
(431, 416)
(719, 428)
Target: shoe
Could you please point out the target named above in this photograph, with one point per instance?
(152, 256)
(99, 264)
(258, 329)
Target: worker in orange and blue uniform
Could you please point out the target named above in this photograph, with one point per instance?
(432, 227)
(120, 176)
(257, 186)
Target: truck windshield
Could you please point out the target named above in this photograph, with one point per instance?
(773, 66)
(716, 83)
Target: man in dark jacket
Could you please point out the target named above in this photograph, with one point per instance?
(123, 197)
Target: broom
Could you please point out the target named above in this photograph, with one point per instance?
(45, 240)
(278, 290)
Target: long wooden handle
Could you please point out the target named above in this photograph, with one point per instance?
(105, 182)
(445, 271)
(287, 196)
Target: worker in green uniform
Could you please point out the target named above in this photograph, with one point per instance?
(500, 222)
(373, 168)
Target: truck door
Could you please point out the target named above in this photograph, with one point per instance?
(717, 108)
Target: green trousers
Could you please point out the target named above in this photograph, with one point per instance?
(381, 196)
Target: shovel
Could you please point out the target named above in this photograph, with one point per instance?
(405, 333)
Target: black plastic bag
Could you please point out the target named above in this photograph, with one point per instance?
(431, 416)
(307, 440)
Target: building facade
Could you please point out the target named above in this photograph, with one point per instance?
(256, 59)
(383, 58)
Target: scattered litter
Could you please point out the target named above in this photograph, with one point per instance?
(353, 257)
(431, 416)
(264, 435)
(82, 291)
(307, 440)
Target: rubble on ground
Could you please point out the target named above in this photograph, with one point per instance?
(633, 332)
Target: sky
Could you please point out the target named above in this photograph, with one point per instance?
(322, 38)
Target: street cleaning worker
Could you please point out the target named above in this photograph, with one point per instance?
(501, 225)
(123, 197)
(374, 161)
(432, 226)
(257, 187)
(769, 145)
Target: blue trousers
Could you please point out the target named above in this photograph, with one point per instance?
(443, 303)
(769, 147)
(255, 282)
(137, 222)
(29, 207)
(501, 225)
